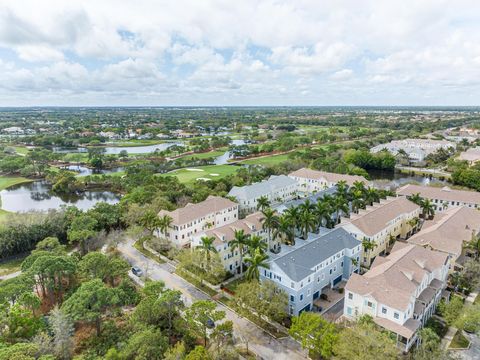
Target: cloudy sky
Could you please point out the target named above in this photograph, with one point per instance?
(247, 52)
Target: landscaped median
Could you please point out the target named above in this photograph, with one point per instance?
(139, 246)
(195, 282)
(459, 341)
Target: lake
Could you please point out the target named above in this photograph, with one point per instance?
(393, 180)
(117, 149)
(37, 195)
(223, 159)
(84, 171)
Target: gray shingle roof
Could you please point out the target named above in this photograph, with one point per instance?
(297, 263)
(261, 188)
(313, 199)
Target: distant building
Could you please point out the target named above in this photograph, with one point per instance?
(311, 181)
(382, 224)
(416, 149)
(193, 219)
(251, 225)
(448, 231)
(400, 291)
(277, 189)
(14, 130)
(472, 155)
(311, 266)
(442, 198)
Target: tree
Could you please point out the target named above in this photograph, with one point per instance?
(284, 230)
(82, 230)
(207, 248)
(428, 210)
(474, 246)
(314, 333)
(256, 242)
(178, 352)
(270, 222)
(291, 216)
(240, 242)
(98, 265)
(470, 275)
(170, 303)
(150, 221)
(18, 323)
(62, 330)
(323, 213)
(199, 314)
(307, 222)
(164, 224)
(263, 203)
(146, 344)
(416, 199)
(199, 353)
(363, 341)
(254, 261)
(429, 347)
(90, 301)
(340, 206)
(371, 196)
(469, 319)
(451, 310)
(50, 244)
(368, 245)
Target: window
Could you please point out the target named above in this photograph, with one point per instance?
(308, 292)
(384, 310)
(350, 296)
(369, 304)
(330, 271)
(349, 310)
(396, 315)
(301, 297)
(292, 298)
(292, 285)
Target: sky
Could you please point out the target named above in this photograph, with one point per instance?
(244, 52)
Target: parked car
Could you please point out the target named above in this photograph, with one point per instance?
(210, 324)
(137, 271)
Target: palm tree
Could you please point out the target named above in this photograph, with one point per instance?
(307, 222)
(150, 221)
(256, 260)
(368, 245)
(263, 203)
(270, 222)
(164, 223)
(256, 242)
(357, 200)
(371, 196)
(323, 213)
(206, 246)
(342, 188)
(284, 229)
(428, 211)
(340, 206)
(239, 241)
(416, 198)
(292, 214)
(358, 186)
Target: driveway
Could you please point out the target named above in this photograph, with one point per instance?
(259, 341)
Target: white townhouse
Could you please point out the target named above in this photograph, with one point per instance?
(251, 225)
(442, 198)
(382, 224)
(311, 181)
(192, 219)
(416, 149)
(303, 271)
(400, 291)
(277, 189)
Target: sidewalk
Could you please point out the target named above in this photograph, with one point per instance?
(447, 339)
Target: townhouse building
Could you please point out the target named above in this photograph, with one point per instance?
(416, 149)
(276, 189)
(305, 270)
(448, 231)
(311, 181)
(192, 219)
(400, 291)
(223, 235)
(382, 224)
(442, 198)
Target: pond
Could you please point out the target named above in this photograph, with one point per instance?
(84, 171)
(223, 159)
(117, 149)
(37, 195)
(393, 180)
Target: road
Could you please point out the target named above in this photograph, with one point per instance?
(259, 341)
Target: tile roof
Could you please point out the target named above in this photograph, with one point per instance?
(472, 154)
(330, 177)
(448, 230)
(255, 190)
(375, 218)
(406, 330)
(444, 193)
(394, 279)
(297, 264)
(226, 233)
(195, 211)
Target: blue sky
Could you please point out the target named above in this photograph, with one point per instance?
(239, 53)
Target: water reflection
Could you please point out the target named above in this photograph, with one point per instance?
(117, 149)
(37, 195)
(393, 180)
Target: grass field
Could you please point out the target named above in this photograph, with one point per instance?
(21, 150)
(136, 142)
(267, 160)
(188, 176)
(6, 181)
(11, 265)
(459, 341)
(205, 155)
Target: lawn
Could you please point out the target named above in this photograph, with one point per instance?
(11, 265)
(267, 160)
(459, 341)
(205, 155)
(202, 172)
(7, 181)
(139, 246)
(22, 150)
(136, 142)
(232, 285)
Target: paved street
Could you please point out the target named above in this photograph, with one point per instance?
(259, 341)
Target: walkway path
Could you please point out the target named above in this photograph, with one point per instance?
(259, 341)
